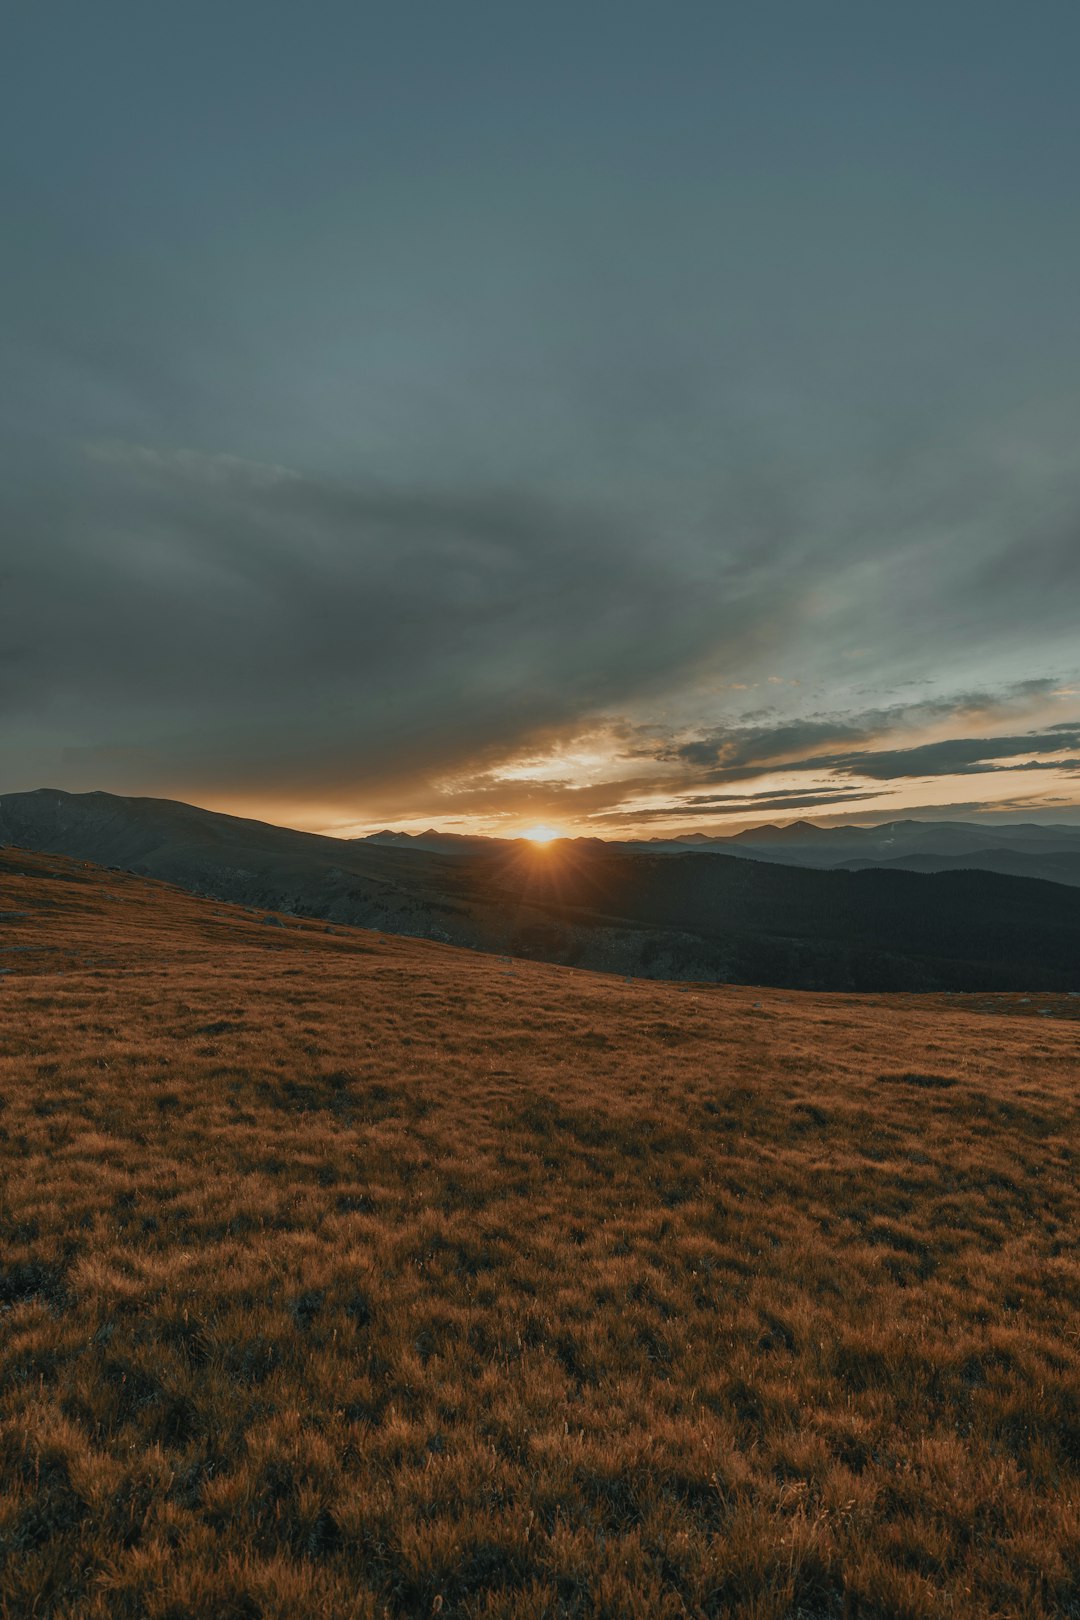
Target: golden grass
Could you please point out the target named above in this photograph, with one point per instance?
(343, 1275)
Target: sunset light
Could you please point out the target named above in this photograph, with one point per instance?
(541, 834)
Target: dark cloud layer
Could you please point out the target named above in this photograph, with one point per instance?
(751, 805)
(250, 622)
(956, 756)
(743, 753)
(377, 415)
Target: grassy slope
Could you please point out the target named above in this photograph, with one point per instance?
(346, 1275)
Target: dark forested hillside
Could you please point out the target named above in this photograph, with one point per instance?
(703, 916)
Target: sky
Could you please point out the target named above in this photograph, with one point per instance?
(635, 418)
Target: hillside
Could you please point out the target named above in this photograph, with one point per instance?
(1050, 853)
(589, 904)
(1056, 866)
(354, 1276)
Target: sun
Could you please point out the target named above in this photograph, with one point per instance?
(540, 835)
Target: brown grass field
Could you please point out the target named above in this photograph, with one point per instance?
(344, 1275)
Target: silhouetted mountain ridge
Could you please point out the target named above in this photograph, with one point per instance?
(624, 909)
(1018, 849)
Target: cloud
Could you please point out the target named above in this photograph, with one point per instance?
(485, 444)
(776, 798)
(735, 806)
(955, 756)
(736, 749)
(767, 754)
(730, 751)
(221, 624)
(230, 629)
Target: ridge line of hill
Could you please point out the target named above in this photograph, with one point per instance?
(698, 916)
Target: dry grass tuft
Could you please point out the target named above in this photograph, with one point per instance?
(353, 1276)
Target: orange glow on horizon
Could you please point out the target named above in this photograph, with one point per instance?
(540, 835)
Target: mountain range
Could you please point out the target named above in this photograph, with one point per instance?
(1023, 849)
(645, 909)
